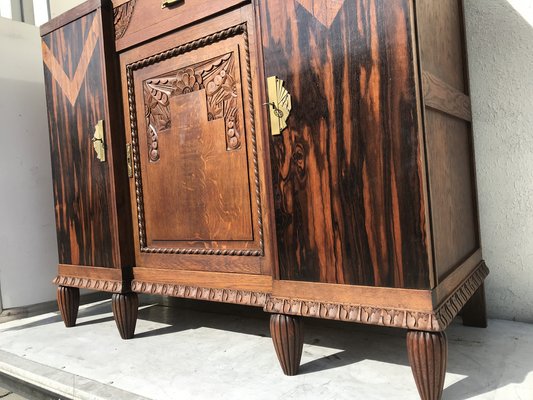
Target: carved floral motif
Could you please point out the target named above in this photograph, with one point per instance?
(122, 17)
(215, 76)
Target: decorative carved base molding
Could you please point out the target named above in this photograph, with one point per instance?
(436, 320)
(244, 297)
(449, 309)
(68, 301)
(125, 309)
(288, 337)
(428, 355)
(104, 285)
(433, 321)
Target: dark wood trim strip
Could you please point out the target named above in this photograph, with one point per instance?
(83, 271)
(453, 280)
(118, 3)
(71, 15)
(411, 299)
(244, 297)
(443, 97)
(114, 280)
(216, 280)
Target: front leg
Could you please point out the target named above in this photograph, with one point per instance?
(125, 309)
(68, 301)
(288, 336)
(428, 354)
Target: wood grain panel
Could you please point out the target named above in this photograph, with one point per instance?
(196, 184)
(81, 183)
(441, 96)
(453, 203)
(410, 299)
(440, 34)
(347, 172)
(216, 280)
(147, 19)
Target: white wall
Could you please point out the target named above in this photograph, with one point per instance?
(500, 46)
(28, 249)
(58, 7)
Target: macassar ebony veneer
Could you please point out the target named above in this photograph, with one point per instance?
(313, 158)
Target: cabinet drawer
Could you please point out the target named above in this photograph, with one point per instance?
(138, 21)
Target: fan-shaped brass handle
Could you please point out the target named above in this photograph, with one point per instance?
(279, 102)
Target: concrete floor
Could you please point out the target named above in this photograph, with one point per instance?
(225, 352)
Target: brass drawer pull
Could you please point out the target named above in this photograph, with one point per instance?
(170, 3)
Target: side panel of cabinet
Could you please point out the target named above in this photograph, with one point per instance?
(448, 131)
(348, 171)
(87, 202)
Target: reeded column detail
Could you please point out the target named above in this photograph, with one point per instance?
(125, 309)
(68, 301)
(288, 336)
(428, 354)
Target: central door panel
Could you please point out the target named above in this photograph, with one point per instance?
(197, 163)
(196, 187)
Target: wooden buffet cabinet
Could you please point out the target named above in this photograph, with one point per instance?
(313, 158)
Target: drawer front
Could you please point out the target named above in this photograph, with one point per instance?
(140, 20)
(195, 135)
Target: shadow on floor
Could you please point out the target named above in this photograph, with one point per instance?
(477, 354)
(474, 353)
(86, 311)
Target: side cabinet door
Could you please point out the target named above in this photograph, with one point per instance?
(347, 170)
(77, 86)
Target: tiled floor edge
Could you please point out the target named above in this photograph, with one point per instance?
(59, 382)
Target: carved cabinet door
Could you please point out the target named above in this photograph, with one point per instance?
(196, 178)
(85, 141)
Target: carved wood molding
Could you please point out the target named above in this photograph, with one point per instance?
(122, 17)
(450, 307)
(104, 285)
(445, 98)
(240, 29)
(243, 297)
(215, 76)
(436, 320)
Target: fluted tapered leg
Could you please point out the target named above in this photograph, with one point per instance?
(428, 354)
(125, 309)
(68, 301)
(288, 336)
(474, 311)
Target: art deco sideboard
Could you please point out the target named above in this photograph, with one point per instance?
(313, 158)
